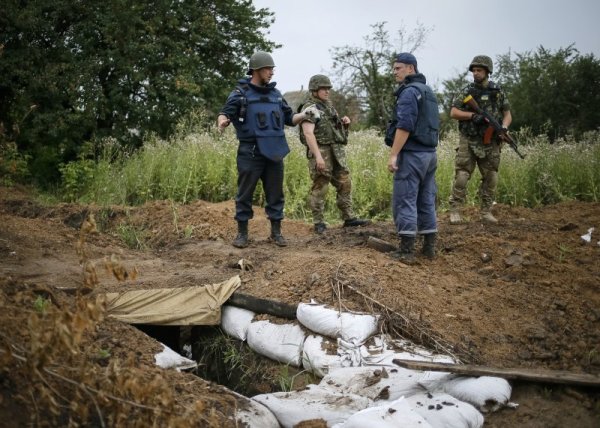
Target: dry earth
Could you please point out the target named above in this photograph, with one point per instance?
(523, 293)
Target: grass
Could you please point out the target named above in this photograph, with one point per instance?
(200, 164)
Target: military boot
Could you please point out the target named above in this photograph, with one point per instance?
(354, 222)
(320, 228)
(455, 217)
(429, 245)
(276, 235)
(488, 217)
(406, 252)
(241, 240)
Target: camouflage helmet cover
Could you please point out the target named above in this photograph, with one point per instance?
(260, 59)
(482, 61)
(319, 81)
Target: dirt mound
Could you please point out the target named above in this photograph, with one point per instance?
(522, 293)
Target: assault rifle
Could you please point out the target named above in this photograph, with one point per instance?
(493, 126)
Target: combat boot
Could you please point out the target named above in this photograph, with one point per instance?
(455, 217)
(488, 217)
(429, 245)
(241, 240)
(354, 222)
(276, 235)
(320, 228)
(406, 252)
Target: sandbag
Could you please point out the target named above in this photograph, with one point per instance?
(235, 321)
(384, 350)
(375, 383)
(486, 393)
(445, 411)
(317, 359)
(393, 415)
(251, 413)
(350, 327)
(169, 359)
(279, 342)
(313, 402)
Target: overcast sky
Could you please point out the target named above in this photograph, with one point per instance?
(460, 29)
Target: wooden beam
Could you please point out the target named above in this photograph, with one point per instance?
(380, 245)
(263, 306)
(531, 375)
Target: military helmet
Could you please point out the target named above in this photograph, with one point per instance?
(319, 81)
(482, 61)
(260, 59)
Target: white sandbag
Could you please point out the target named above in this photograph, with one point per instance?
(375, 383)
(445, 411)
(313, 402)
(487, 393)
(357, 328)
(351, 327)
(251, 413)
(317, 359)
(393, 415)
(169, 359)
(383, 351)
(319, 319)
(279, 342)
(349, 353)
(235, 321)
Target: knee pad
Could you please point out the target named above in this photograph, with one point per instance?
(462, 178)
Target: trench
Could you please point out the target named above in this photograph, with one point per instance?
(229, 362)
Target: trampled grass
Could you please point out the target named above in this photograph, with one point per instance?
(202, 165)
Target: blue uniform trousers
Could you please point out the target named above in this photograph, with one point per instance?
(414, 192)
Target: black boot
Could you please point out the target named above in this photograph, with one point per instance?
(276, 233)
(354, 222)
(241, 240)
(406, 252)
(429, 245)
(320, 228)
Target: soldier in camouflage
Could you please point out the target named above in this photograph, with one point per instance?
(326, 135)
(472, 151)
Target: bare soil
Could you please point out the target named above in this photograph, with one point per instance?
(523, 293)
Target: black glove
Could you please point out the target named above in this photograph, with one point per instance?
(478, 119)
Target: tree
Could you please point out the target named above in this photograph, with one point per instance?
(365, 71)
(452, 88)
(117, 68)
(556, 93)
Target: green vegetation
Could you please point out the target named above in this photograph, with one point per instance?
(201, 165)
(41, 304)
(72, 72)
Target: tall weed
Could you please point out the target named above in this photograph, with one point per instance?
(201, 164)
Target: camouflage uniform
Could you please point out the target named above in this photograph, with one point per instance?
(472, 151)
(332, 137)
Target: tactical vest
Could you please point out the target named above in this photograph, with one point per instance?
(428, 120)
(490, 99)
(261, 119)
(329, 128)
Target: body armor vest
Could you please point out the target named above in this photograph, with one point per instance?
(261, 119)
(428, 120)
(329, 129)
(490, 99)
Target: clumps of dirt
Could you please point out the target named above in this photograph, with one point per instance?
(522, 293)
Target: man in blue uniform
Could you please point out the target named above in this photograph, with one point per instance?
(259, 114)
(413, 135)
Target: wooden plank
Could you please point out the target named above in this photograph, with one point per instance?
(380, 245)
(541, 376)
(263, 306)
